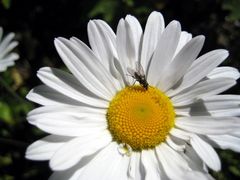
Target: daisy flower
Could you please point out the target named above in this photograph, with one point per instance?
(7, 44)
(136, 105)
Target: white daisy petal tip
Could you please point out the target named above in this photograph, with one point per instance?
(200, 39)
(28, 96)
(31, 95)
(175, 24)
(206, 153)
(58, 41)
(91, 24)
(34, 153)
(129, 16)
(44, 148)
(225, 53)
(31, 155)
(155, 13)
(28, 152)
(30, 120)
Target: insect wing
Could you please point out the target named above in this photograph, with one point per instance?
(131, 72)
(139, 69)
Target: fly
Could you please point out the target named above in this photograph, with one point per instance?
(139, 75)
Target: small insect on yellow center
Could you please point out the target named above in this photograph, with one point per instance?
(140, 118)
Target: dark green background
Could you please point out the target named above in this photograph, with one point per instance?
(36, 24)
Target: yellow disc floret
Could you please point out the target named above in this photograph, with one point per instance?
(140, 118)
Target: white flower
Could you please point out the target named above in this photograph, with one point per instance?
(7, 57)
(103, 126)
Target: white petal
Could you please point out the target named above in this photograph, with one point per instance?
(45, 148)
(117, 72)
(134, 31)
(129, 34)
(174, 145)
(194, 161)
(226, 142)
(196, 176)
(180, 64)
(202, 111)
(9, 58)
(5, 64)
(236, 133)
(63, 175)
(122, 62)
(217, 106)
(171, 162)
(8, 61)
(5, 42)
(206, 153)
(73, 124)
(224, 72)
(45, 95)
(185, 111)
(73, 172)
(150, 165)
(134, 170)
(153, 30)
(164, 52)
(9, 48)
(85, 67)
(180, 134)
(203, 89)
(128, 38)
(96, 68)
(107, 165)
(226, 112)
(223, 105)
(102, 40)
(101, 73)
(185, 37)
(208, 125)
(200, 68)
(72, 152)
(3, 68)
(74, 112)
(122, 45)
(235, 99)
(68, 85)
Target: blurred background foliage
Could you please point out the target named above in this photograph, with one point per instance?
(37, 23)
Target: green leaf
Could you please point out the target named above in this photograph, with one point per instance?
(235, 170)
(233, 7)
(5, 113)
(105, 8)
(6, 4)
(129, 3)
(5, 160)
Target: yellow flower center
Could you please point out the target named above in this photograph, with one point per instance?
(140, 118)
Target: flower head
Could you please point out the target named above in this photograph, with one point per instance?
(136, 105)
(7, 57)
